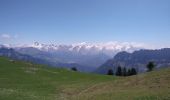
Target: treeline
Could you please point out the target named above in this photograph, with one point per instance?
(122, 71)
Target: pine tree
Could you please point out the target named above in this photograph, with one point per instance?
(129, 72)
(150, 66)
(133, 71)
(124, 72)
(119, 71)
(110, 72)
(74, 69)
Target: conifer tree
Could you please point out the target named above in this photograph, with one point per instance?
(150, 66)
(133, 71)
(74, 69)
(110, 72)
(124, 72)
(119, 71)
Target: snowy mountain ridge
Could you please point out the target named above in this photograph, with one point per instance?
(109, 48)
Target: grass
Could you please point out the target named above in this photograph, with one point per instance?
(25, 81)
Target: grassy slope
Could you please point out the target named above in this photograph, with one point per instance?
(24, 81)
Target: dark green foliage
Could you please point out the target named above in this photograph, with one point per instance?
(150, 66)
(133, 71)
(74, 69)
(119, 71)
(110, 72)
(124, 72)
(129, 72)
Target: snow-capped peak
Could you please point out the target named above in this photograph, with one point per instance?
(109, 48)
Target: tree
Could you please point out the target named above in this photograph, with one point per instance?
(133, 71)
(110, 72)
(74, 69)
(124, 72)
(119, 71)
(129, 72)
(150, 66)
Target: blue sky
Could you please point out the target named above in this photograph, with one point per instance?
(72, 21)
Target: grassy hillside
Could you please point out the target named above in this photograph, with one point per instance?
(25, 81)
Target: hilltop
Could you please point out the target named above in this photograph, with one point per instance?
(26, 81)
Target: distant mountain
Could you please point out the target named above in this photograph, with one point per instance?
(11, 53)
(109, 49)
(137, 59)
(65, 57)
(86, 54)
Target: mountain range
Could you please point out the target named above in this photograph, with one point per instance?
(109, 48)
(88, 57)
(85, 56)
(14, 55)
(138, 59)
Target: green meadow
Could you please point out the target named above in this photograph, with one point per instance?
(25, 81)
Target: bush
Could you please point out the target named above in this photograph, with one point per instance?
(150, 66)
(110, 72)
(74, 69)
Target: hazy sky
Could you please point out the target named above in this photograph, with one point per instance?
(71, 21)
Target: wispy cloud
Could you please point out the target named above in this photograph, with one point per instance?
(5, 36)
(8, 36)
